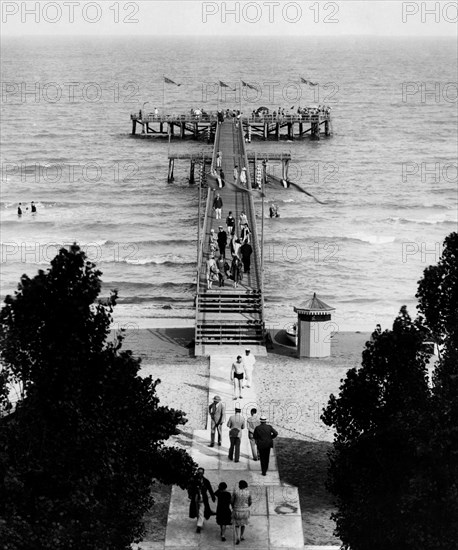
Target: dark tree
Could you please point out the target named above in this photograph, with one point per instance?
(438, 292)
(80, 451)
(394, 464)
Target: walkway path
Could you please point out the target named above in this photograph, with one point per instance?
(275, 522)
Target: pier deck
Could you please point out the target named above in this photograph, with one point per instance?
(228, 315)
(289, 126)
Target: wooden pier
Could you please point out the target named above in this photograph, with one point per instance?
(204, 126)
(229, 315)
(204, 159)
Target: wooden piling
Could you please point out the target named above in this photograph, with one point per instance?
(170, 177)
(191, 173)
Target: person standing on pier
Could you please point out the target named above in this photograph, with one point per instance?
(245, 234)
(212, 271)
(218, 206)
(222, 177)
(246, 250)
(238, 373)
(221, 263)
(236, 424)
(243, 176)
(198, 491)
(243, 220)
(230, 224)
(236, 174)
(222, 241)
(33, 208)
(19, 209)
(218, 160)
(264, 436)
(217, 412)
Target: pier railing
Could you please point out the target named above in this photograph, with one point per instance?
(203, 235)
(212, 117)
(255, 240)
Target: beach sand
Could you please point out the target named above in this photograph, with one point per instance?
(291, 392)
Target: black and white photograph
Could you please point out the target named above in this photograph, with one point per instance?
(229, 275)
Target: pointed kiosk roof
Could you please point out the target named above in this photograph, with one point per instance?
(314, 306)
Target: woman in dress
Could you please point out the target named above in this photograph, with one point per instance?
(223, 509)
(241, 502)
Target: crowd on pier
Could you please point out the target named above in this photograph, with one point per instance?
(261, 113)
(237, 237)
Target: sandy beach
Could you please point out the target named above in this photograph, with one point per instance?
(292, 393)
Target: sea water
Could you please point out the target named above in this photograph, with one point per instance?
(386, 179)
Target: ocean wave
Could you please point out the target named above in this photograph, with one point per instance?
(172, 262)
(419, 222)
(151, 287)
(161, 301)
(155, 242)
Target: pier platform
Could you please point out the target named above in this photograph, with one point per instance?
(268, 126)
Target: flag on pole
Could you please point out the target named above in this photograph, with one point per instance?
(250, 86)
(169, 81)
(224, 85)
(308, 82)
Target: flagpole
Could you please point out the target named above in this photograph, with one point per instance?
(163, 93)
(240, 83)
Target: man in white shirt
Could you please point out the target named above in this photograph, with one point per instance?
(249, 361)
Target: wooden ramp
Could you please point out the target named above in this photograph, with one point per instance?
(229, 315)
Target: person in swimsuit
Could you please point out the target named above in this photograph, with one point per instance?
(238, 373)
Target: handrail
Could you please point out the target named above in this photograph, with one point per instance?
(203, 237)
(212, 117)
(254, 233)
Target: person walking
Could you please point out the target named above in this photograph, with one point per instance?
(221, 264)
(245, 233)
(241, 502)
(242, 220)
(264, 436)
(249, 360)
(212, 271)
(223, 509)
(217, 411)
(222, 241)
(252, 422)
(245, 251)
(218, 206)
(236, 270)
(198, 490)
(236, 424)
(237, 375)
(243, 176)
(236, 173)
(230, 224)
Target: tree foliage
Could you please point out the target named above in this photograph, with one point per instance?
(80, 451)
(394, 464)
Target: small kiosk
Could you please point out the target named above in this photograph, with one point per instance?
(314, 330)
